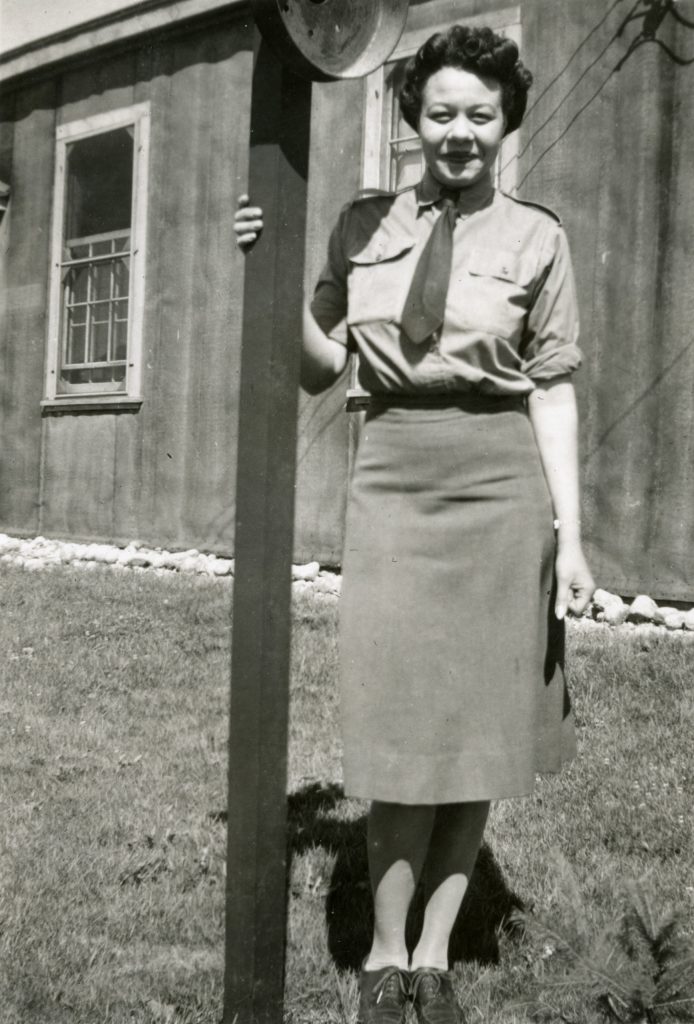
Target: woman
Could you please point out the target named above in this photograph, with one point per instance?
(460, 301)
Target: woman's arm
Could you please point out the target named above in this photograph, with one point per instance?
(322, 359)
(553, 415)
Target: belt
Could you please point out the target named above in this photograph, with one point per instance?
(466, 400)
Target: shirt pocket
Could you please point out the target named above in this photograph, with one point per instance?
(496, 290)
(379, 276)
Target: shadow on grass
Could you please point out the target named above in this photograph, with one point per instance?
(314, 820)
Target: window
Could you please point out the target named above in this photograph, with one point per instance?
(98, 247)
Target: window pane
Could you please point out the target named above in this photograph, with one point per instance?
(100, 312)
(121, 278)
(77, 279)
(99, 184)
(76, 341)
(120, 330)
(100, 342)
(77, 252)
(76, 376)
(101, 281)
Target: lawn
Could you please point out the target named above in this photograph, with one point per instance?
(112, 714)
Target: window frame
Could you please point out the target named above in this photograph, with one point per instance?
(137, 117)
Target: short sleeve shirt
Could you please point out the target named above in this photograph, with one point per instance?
(511, 316)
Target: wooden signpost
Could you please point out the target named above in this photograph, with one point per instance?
(302, 40)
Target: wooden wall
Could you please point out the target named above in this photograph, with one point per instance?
(164, 474)
(612, 150)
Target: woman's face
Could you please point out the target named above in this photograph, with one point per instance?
(461, 126)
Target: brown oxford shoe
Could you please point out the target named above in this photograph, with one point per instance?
(384, 996)
(432, 993)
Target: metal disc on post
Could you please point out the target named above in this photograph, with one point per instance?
(325, 40)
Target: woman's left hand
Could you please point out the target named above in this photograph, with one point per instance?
(575, 584)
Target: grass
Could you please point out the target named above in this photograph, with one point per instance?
(112, 760)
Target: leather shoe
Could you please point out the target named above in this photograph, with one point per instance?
(432, 993)
(384, 996)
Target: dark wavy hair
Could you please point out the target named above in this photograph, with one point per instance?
(473, 49)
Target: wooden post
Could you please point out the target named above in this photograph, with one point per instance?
(256, 889)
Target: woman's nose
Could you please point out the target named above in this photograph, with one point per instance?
(460, 129)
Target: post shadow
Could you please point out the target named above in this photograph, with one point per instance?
(486, 911)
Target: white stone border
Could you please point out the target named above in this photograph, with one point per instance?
(40, 553)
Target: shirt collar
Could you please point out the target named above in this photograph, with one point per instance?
(474, 197)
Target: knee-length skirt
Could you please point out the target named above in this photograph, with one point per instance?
(452, 676)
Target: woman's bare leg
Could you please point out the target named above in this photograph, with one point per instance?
(398, 839)
(455, 841)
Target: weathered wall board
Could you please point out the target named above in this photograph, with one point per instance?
(611, 148)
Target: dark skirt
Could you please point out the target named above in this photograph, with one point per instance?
(452, 660)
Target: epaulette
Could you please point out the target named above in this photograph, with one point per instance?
(536, 206)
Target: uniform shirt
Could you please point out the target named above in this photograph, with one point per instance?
(511, 316)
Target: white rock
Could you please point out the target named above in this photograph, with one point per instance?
(193, 563)
(305, 572)
(221, 566)
(603, 598)
(689, 619)
(643, 609)
(674, 619)
(615, 613)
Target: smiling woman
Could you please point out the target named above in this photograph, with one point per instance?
(460, 301)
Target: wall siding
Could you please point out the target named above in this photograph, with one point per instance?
(610, 150)
(23, 343)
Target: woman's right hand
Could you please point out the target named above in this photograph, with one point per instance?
(248, 223)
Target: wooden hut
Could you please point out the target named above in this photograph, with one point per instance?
(123, 146)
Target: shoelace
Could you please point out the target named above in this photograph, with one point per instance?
(389, 984)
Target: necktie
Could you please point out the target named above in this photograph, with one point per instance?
(425, 305)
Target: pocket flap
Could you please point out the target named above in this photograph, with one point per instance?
(499, 263)
(382, 247)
